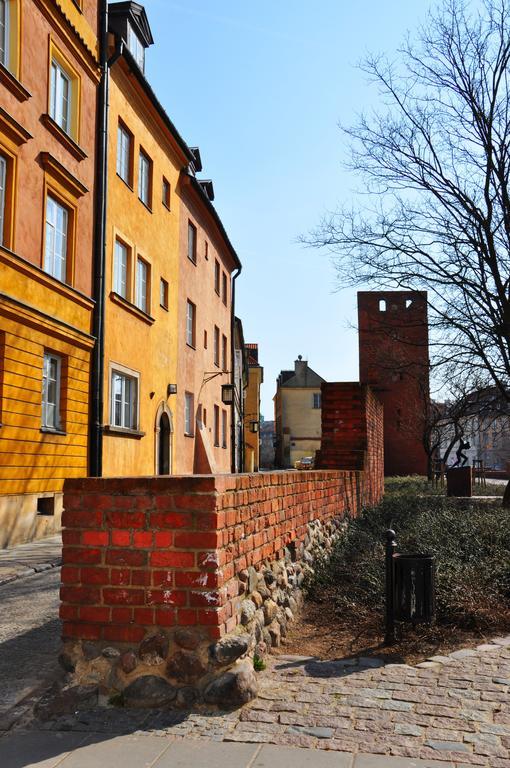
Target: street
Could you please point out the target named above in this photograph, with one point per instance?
(29, 637)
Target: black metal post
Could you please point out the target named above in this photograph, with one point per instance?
(391, 546)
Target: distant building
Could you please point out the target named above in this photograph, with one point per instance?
(394, 362)
(485, 424)
(252, 409)
(267, 444)
(297, 406)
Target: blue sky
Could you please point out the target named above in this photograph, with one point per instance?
(260, 87)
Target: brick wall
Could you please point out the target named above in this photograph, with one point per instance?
(352, 435)
(163, 552)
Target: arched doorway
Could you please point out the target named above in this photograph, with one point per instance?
(164, 445)
(163, 440)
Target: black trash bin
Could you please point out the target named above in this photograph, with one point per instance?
(414, 587)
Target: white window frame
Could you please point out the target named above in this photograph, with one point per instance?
(189, 407)
(124, 399)
(223, 428)
(192, 242)
(56, 239)
(190, 323)
(136, 47)
(124, 154)
(121, 269)
(5, 34)
(216, 346)
(144, 178)
(142, 285)
(3, 185)
(60, 106)
(317, 401)
(51, 417)
(164, 291)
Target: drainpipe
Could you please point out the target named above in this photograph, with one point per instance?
(232, 363)
(97, 366)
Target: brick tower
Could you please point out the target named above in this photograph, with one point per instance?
(394, 361)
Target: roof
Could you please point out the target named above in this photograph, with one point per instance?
(301, 377)
(137, 17)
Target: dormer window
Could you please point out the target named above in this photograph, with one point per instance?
(135, 46)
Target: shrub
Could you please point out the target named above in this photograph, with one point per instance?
(471, 546)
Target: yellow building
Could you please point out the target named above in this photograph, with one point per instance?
(145, 155)
(252, 410)
(48, 90)
(297, 406)
(168, 284)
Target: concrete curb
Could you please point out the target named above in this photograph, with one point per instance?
(27, 571)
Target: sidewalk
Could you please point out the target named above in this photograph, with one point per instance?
(71, 750)
(26, 559)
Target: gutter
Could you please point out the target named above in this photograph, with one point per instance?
(97, 367)
(232, 363)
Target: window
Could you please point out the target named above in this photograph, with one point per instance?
(3, 184)
(52, 369)
(204, 417)
(224, 352)
(223, 428)
(4, 32)
(188, 414)
(142, 285)
(190, 324)
(124, 154)
(217, 276)
(192, 242)
(135, 46)
(206, 251)
(382, 305)
(144, 179)
(124, 400)
(121, 269)
(205, 339)
(55, 252)
(316, 399)
(224, 289)
(166, 193)
(60, 96)
(163, 293)
(216, 346)
(216, 425)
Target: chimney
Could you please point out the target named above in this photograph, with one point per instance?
(300, 368)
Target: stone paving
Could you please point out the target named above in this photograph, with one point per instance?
(27, 559)
(452, 710)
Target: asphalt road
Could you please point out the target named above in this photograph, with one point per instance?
(29, 637)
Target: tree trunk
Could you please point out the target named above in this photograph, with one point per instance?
(506, 496)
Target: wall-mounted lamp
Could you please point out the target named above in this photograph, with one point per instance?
(227, 394)
(254, 426)
(171, 390)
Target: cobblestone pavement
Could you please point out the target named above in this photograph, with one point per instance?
(29, 639)
(453, 710)
(26, 559)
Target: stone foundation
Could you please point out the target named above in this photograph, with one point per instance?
(181, 667)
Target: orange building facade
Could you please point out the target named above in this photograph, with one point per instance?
(168, 272)
(48, 91)
(252, 410)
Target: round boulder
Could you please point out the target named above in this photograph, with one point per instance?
(185, 667)
(153, 650)
(148, 692)
(229, 649)
(187, 638)
(234, 688)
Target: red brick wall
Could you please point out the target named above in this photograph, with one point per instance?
(394, 361)
(164, 552)
(352, 434)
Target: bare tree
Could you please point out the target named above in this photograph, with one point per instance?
(435, 165)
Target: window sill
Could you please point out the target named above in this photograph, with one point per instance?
(51, 431)
(162, 306)
(135, 434)
(127, 183)
(64, 138)
(122, 302)
(13, 84)
(193, 261)
(188, 434)
(191, 346)
(145, 205)
(166, 206)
